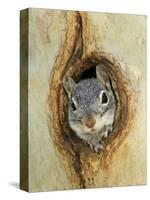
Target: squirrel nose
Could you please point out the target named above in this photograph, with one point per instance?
(89, 121)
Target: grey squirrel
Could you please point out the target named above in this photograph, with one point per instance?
(91, 107)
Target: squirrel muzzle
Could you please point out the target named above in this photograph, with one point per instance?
(89, 121)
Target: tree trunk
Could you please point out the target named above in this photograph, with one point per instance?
(69, 42)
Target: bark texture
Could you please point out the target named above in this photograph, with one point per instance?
(62, 42)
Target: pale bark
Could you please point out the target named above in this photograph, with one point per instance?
(63, 42)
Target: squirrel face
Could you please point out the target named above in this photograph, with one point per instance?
(91, 104)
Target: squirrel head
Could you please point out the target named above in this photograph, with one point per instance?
(91, 102)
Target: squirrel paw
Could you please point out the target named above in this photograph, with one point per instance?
(95, 147)
(107, 131)
(109, 128)
(106, 134)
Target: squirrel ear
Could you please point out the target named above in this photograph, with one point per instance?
(69, 85)
(103, 76)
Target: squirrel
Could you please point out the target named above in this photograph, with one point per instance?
(91, 107)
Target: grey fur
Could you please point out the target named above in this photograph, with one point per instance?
(86, 97)
(86, 92)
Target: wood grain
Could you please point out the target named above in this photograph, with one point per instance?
(62, 42)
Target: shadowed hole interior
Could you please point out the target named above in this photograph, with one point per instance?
(90, 73)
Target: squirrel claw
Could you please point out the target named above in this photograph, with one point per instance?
(91, 146)
(96, 147)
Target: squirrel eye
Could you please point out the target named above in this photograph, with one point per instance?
(104, 98)
(73, 106)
